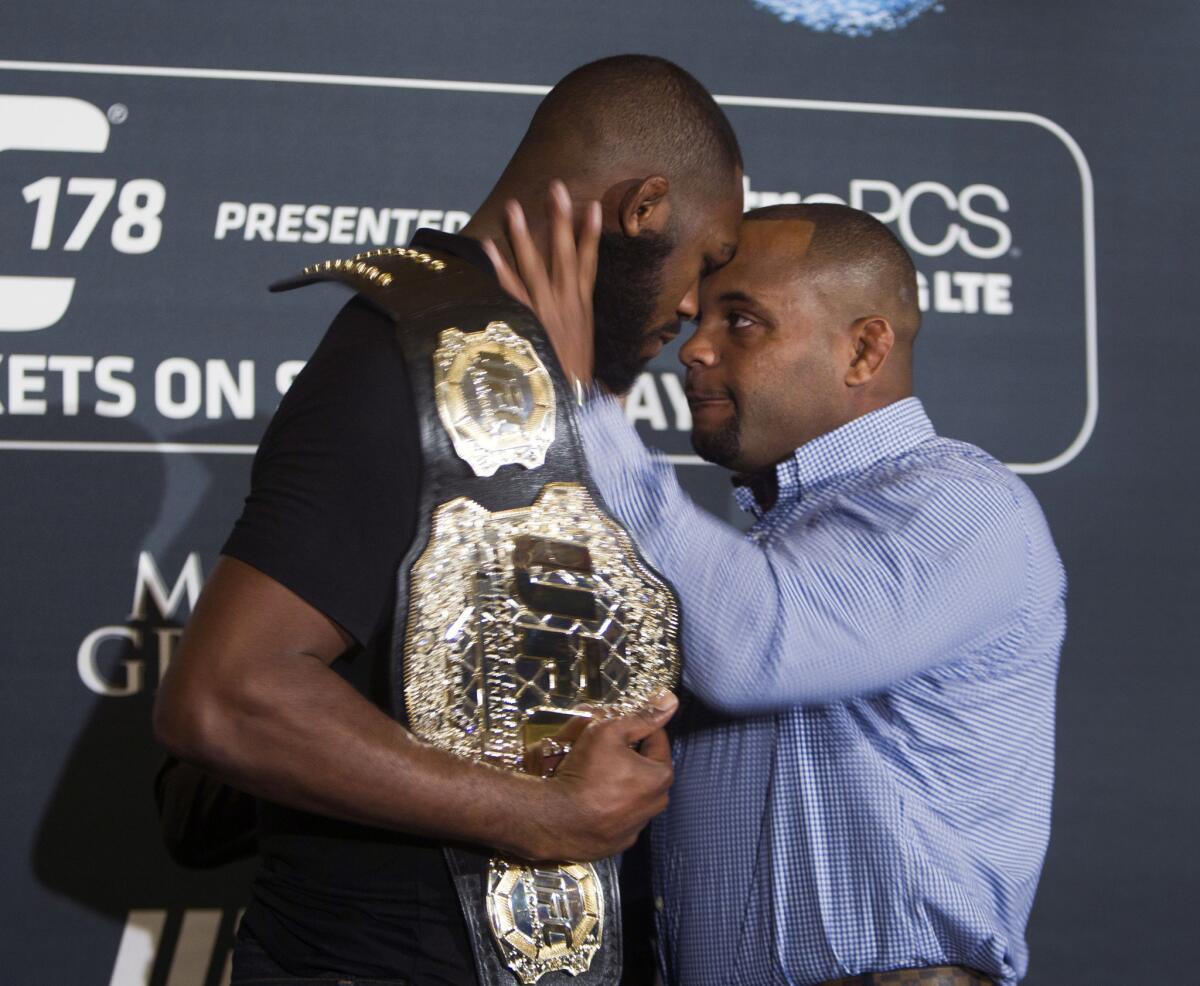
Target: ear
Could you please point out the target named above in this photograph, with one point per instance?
(638, 204)
(872, 339)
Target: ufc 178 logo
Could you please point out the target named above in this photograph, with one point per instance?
(59, 123)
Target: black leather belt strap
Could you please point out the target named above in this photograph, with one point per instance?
(468, 868)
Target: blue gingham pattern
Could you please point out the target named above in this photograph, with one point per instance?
(864, 767)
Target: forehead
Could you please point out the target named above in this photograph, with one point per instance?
(769, 260)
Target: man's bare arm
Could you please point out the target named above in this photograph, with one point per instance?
(250, 696)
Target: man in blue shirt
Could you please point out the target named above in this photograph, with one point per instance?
(864, 772)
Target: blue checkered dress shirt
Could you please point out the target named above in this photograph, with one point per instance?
(864, 771)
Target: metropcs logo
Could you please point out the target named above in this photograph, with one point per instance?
(982, 235)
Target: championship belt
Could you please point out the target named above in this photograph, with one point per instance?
(521, 599)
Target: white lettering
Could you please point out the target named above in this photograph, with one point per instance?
(946, 244)
(101, 191)
(294, 222)
(404, 220)
(22, 382)
(286, 373)
(291, 217)
(678, 399)
(230, 216)
(150, 582)
(316, 224)
(944, 299)
(996, 294)
(429, 218)
(861, 187)
(964, 292)
(644, 404)
(260, 218)
(455, 220)
(220, 388)
(107, 382)
(341, 229)
(70, 367)
(168, 637)
(87, 661)
(998, 226)
(373, 226)
(138, 948)
(189, 373)
(44, 192)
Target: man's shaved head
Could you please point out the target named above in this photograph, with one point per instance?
(634, 113)
(643, 138)
(810, 326)
(856, 261)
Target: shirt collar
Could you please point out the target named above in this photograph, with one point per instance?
(888, 432)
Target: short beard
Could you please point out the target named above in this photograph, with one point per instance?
(629, 276)
(722, 447)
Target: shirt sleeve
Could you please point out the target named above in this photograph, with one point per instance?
(333, 493)
(871, 594)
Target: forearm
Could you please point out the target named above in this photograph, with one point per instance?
(830, 611)
(305, 738)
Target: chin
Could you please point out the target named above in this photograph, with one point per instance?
(720, 446)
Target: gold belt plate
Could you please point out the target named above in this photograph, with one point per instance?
(494, 397)
(516, 619)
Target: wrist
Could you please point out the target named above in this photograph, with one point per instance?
(521, 831)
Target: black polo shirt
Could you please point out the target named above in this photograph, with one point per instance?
(331, 513)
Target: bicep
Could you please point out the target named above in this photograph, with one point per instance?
(246, 634)
(863, 598)
(866, 607)
(243, 616)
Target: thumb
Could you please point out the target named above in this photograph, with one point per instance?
(651, 717)
(656, 747)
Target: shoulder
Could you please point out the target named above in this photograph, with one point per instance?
(966, 506)
(357, 369)
(953, 494)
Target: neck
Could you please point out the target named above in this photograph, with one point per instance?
(490, 221)
(896, 386)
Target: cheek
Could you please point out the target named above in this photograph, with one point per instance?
(775, 384)
(677, 280)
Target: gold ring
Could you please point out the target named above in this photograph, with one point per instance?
(553, 748)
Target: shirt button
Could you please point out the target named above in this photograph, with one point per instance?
(658, 904)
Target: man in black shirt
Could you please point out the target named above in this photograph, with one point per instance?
(279, 681)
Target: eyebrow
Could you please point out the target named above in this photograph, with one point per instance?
(738, 296)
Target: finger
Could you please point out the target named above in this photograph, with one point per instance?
(589, 251)
(656, 747)
(530, 265)
(570, 732)
(636, 726)
(505, 274)
(564, 259)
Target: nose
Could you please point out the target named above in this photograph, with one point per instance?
(698, 351)
(689, 304)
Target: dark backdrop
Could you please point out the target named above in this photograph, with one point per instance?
(1037, 158)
